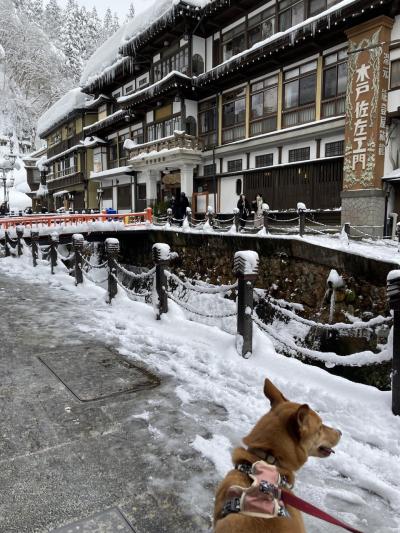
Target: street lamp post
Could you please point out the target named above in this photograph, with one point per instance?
(7, 165)
(100, 198)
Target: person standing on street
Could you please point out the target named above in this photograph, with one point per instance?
(244, 209)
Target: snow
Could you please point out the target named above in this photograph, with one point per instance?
(73, 99)
(2, 53)
(301, 206)
(247, 261)
(163, 251)
(151, 88)
(335, 280)
(359, 484)
(394, 275)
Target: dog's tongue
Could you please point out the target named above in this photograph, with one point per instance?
(326, 451)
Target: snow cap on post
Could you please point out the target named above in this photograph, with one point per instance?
(20, 231)
(55, 237)
(77, 241)
(161, 252)
(301, 206)
(112, 246)
(265, 207)
(393, 289)
(246, 263)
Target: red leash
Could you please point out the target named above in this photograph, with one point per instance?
(290, 499)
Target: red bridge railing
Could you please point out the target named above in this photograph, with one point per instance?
(53, 221)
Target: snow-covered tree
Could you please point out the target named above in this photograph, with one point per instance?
(131, 12)
(115, 23)
(72, 39)
(107, 24)
(52, 21)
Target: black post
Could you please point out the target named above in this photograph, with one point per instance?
(77, 243)
(112, 250)
(246, 269)
(35, 246)
(20, 234)
(236, 215)
(301, 209)
(161, 255)
(393, 287)
(398, 232)
(347, 229)
(265, 209)
(210, 217)
(53, 250)
(7, 244)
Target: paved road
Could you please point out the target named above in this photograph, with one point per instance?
(99, 462)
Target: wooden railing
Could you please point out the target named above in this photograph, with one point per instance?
(54, 221)
(177, 140)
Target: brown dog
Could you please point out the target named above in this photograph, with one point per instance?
(286, 436)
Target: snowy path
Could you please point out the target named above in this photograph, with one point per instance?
(361, 483)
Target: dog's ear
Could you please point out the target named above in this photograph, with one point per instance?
(300, 420)
(273, 394)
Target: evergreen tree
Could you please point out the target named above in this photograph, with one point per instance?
(115, 23)
(72, 39)
(94, 32)
(107, 24)
(131, 13)
(53, 21)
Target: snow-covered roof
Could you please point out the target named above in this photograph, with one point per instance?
(108, 57)
(72, 100)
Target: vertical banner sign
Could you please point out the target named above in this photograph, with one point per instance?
(366, 104)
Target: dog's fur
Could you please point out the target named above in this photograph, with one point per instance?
(291, 433)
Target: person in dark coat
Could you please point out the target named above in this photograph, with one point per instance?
(184, 204)
(244, 209)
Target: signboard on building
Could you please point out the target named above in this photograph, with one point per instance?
(366, 104)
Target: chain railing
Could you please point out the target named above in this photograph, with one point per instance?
(158, 285)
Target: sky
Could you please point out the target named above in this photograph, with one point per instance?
(119, 6)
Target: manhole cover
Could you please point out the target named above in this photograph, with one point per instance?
(93, 372)
(111, 521)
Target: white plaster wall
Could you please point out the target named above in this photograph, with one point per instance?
(199, 46)
(176, 107)
(150, 117)
(191, 108)
(228, 196)
(396, 29)
(209, 53)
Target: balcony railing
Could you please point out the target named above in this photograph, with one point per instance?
(65, 172)
(177, 140)
(334, 107)
(209, 140)
(298, 116)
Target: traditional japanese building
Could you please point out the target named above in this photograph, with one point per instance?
(295, 99)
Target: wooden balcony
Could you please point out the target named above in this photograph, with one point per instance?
(176, 141)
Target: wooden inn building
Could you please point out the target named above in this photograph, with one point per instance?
(298, 100)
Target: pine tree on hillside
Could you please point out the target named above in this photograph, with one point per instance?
(131, 12)
(52, 23)
(93, 32)
(107, 24)
(115, 23)
(72, 39)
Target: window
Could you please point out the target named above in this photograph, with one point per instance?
(261, 26)
(317, 6)
(124, 197)
(235, 165)
(334, 84)
(175, 61)
(209, 170)
(299, 92)
(233, 42)
(395, 74)
(137, 135)
(234, 116)
(129, 89)
(197, 65)
(264, 105)
(334, 148)
(122, 152)
(265, 160)
(141, 191)
(208, 122)
(113, 154)
(164, 128)
(291, 12)
(71, 129)
(299, 154)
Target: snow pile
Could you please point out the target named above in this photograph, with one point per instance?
(246, 262)
(334, 280)
(72, 100)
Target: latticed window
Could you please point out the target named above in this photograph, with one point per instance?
(291, 12)
(299, 154)
(235, 165)
(233, 42)
(334, 148)
(264, 105)
(209, 170)
(261, 26)
(234, 116)
(265, 160)
(178, 61)
(208, 122)
(299, 94)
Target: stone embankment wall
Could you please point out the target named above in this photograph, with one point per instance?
(291, 269)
